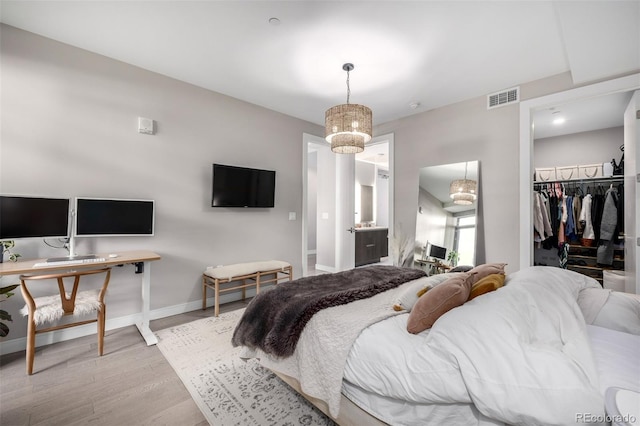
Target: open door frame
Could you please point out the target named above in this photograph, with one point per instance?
(344, 257)
(623, 84)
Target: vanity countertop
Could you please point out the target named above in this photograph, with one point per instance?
(372, 228)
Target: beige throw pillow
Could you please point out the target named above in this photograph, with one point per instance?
(438, 301)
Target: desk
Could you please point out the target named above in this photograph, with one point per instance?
(141, 258)
(435, 265)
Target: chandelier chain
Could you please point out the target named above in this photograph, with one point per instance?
(348, 88)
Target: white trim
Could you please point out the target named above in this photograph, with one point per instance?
(306, 139)
(623, 84)
(325, 268)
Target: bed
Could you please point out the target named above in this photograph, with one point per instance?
(542, 349)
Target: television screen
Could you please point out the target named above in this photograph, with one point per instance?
(96, 217)
(438, 252)
(242, 187)
(33, 217)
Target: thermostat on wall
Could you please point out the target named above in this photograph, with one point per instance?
(145, 125)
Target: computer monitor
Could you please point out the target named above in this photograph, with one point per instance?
(437, 252)
(105, 217)
(33, 217)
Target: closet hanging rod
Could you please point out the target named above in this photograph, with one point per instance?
(613, 179)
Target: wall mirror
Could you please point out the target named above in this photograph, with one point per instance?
(447, 216)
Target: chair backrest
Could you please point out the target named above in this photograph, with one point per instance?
(68, 302)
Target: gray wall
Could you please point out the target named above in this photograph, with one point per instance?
(467, 131)
(598, 146)
(69, 128)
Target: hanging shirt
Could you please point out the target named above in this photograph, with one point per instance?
(585, 218)
(570, 227)
(608, 227)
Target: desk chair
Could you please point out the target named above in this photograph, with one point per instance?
(51, 308)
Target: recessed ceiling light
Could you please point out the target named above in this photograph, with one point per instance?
(274, 21)
(558, 121)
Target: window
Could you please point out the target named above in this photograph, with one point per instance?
(465, 239)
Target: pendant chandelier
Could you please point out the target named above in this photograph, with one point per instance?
(463, 191)
(348, 126)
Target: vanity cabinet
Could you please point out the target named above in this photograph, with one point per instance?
(371, 245)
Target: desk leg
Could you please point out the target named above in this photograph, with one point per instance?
(143, 326)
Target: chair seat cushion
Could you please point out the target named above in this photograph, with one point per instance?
(49, 308)
(240, 269)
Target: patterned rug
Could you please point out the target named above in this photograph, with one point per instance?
(228, 390)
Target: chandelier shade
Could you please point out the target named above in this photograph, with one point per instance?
(463, 191)
(347, 143)
(348, 126)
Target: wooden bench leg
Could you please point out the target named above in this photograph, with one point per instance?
(216, 311)
(204, 293)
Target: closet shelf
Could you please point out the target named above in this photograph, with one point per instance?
(602, 179)
(594, 268)
(588, 257)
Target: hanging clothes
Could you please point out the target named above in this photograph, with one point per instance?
(608, 226)
(619, 237)
(577, 206)
(538, 226)
(541, 222)
(596, 212)
(585, 219)
(570, 227)
(554, 218)
(546, 215)
(563, 220)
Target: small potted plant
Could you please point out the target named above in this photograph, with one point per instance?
(452, 257)
(6, 292)
(7, 245)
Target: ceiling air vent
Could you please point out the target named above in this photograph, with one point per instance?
(505, 97)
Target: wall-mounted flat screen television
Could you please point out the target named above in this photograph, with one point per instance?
(438, 252)
(100, 217)
(33, 217)
(242, 187)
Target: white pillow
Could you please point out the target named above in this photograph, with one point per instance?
(620, 313)
(409, 294)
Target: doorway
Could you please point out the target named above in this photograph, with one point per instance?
(632, 191)
(329, 201)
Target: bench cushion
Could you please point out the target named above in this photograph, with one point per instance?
(240, 269)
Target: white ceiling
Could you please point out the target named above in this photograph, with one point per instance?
(430, 53)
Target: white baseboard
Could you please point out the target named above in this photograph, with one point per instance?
(20, 344)
(325, 268)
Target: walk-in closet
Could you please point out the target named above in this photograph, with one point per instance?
(578, 190)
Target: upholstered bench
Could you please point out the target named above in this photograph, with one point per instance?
(252, 274)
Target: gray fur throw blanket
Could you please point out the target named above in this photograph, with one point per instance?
(274, 319)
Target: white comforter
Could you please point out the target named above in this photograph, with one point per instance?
(520, 354)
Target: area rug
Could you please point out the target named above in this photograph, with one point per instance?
(227, 389)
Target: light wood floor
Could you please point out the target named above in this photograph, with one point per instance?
(131, 384)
